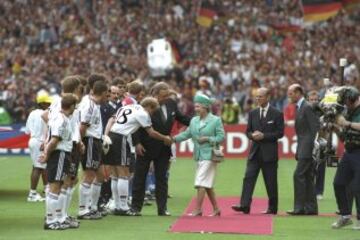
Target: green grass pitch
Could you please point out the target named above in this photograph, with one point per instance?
(22, 220)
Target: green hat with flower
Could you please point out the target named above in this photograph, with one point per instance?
(203, 100)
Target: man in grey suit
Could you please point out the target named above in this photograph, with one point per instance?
(306, 127)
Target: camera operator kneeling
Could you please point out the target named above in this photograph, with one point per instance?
(349, 167)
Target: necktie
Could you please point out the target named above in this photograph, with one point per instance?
(262, 115)
(163, 113)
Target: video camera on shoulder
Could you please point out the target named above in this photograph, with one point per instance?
(330, 105)
(333, 105)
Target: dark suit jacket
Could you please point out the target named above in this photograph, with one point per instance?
(152, 146)
(307, 124)
(272, 128)
(107, 110)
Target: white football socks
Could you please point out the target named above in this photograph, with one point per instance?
(123, 191)
(115, 192)
(95, 194)
(84, 198)
(52, 202)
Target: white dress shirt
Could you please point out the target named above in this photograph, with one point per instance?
(265, 109)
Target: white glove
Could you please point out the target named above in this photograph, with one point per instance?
(106, 144)
(106, 140)
(105, 148)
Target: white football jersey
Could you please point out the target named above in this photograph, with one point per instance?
(129, 119)
(35, 125)
(75, 124)
(54, 111)
(90, 115)
(61, 127)
(54, 108)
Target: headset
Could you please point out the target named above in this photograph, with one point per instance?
(348, 93)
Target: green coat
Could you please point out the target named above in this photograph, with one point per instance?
(212, 128)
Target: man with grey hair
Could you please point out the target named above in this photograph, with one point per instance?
(149, 149)
(307, 125)
(265, 127)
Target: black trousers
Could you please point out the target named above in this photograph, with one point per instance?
(320, 178)
(269, 172)
(347, 178)
(142, 165)
(351, 196)
(304, 186)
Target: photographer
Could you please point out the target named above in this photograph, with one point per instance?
(349, 167)
(230, 111)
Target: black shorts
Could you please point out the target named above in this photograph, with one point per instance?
(105, 158)
(119, 153)
(75, 158)
(58, 166)
(92, 157)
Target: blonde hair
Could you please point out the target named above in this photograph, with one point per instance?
(135, 87)
(68, 100)
(149, 102)
(70, 83)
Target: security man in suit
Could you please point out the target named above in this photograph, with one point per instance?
(307, 125)
(265, 127)
(314, 99)
(149, 149)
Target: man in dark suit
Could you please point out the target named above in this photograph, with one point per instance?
(320, 166)
(307, 125)
(149, 149)
(265, 127)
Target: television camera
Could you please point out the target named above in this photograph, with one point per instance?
(330, 107)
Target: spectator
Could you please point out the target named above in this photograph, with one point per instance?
(42, 41)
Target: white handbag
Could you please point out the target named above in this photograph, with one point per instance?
(217, 154)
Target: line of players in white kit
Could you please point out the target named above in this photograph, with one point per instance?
(75, 134)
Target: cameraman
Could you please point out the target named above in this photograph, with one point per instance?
(349, 167)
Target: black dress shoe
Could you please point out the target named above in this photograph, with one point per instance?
(311, 213)
(239, 208)
(165, 213)
(296, 212)
(269, 211)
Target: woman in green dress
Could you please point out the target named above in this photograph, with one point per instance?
(206, 131)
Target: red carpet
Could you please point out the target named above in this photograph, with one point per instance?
(229, 222)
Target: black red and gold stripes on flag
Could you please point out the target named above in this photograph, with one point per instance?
(206, 14)
(320, 10)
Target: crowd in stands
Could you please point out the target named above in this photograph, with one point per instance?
(43, 41)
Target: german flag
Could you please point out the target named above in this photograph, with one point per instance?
(206, 14)
(320, 10)
(351, 5)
